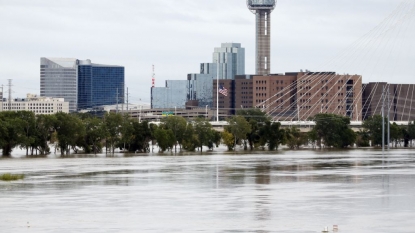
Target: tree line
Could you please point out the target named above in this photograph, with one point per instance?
(249, 128)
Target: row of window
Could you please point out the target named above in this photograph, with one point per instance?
(246, 97)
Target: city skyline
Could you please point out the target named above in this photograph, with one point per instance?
(136, 39)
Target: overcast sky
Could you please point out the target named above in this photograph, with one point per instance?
(173, 35)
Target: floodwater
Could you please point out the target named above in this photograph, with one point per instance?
(285, 191)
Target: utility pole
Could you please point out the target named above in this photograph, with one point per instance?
(10, 94)
(128, 113)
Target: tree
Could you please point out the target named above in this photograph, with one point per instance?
(113, 123)
(191, 140)
(164, 138)
(142, 135)
(362, 138)
(44, 128)
(396, 134)
(28, 124)
(334, 130)
(294, 138)
(94, 135)
(12, 130)
(411, 131)
(238, 127)
(228, 140)
(70, 130)
(127, 133)
(215, 140)
(256, 119)
(373, 125)
(313, 139)
(272, 135)
(203, 131)
(178, 125)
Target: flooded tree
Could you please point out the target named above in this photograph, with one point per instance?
(256, 118)
(239, 128)
(12, 131)
(70, 130)
(334, 130)
(271, 134)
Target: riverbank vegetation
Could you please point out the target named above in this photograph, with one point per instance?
(249, 128)
(11, 177)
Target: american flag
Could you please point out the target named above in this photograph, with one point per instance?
(223, 90)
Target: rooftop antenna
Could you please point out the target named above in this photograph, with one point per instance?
(153, 79)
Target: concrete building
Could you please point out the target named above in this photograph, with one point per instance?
(231, 59)
(83, 84)
(262, 10)
(36, 104)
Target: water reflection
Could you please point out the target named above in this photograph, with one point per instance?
(286, 192)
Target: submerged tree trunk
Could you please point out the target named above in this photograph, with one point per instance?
(7, 150)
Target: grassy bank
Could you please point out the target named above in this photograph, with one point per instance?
(11, 177)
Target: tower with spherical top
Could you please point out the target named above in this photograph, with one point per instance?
(262, 10)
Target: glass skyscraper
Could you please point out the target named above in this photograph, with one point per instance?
(83, 84)
(58, 79)
(174, 94)
(231, 59)
(99, 85)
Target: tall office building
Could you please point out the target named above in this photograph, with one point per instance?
(81, 83)
(59, 79)
(262, 10)
(199, 88)
(231, 59)
(99, 85)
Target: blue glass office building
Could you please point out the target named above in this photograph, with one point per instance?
(99, 85)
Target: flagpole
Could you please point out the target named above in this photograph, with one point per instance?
(217, 89)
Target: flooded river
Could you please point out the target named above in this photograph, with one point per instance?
(286, 191)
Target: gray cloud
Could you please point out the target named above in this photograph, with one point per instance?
(174, 35)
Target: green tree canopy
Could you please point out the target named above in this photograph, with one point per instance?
(373, 125)
(238, 127)
(272, 135)
(178, 125)
(70, 130)
(113, 126)
(334, 130)
(256, 119)
(204, 132)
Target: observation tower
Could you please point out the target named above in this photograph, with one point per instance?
(262, 9)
